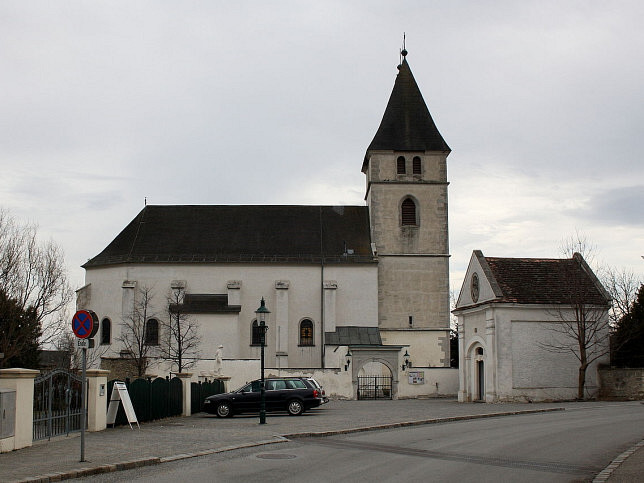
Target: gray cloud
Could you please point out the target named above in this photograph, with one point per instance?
(622, 206)
(105, 103)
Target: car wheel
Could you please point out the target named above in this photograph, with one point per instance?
(295, 407)
(224, 410)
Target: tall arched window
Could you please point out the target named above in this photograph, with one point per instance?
(106, 331)
(255, 334)
(416, 168)
(408, 212)
(400, 165)
(306, 332)
(152, 332)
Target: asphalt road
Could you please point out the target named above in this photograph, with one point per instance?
(572, 445)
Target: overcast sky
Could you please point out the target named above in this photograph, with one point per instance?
(103, 104)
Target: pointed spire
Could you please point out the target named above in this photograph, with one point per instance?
(407, 124)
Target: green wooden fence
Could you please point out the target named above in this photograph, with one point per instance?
(152, 399)
(201, 390)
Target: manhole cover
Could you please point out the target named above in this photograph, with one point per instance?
(276, 456)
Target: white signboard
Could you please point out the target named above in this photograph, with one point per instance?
(120, 394)
(82, 343)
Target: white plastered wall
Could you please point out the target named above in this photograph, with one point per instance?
(355, 303)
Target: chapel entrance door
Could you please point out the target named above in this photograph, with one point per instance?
(480, 375)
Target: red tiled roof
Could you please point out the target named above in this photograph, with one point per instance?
(546, 281)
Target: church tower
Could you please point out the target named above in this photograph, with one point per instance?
(406, 191)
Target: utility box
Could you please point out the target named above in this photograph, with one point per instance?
(7, 413)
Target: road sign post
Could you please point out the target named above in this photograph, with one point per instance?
(85, 326)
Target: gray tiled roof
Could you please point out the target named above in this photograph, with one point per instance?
(246, 233)
(407, 124)
(352, 335)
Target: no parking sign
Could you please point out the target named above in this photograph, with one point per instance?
(85, 324)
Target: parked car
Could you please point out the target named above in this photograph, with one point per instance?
(291, 394)
(316, 385)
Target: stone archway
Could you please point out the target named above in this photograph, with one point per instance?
(375, 381)
(474, 372)
(375, 361)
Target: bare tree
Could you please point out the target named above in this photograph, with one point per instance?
(74, 356)
(181, 338)
(138, 332)
(33, 274)
(622, 285)
(583, 325)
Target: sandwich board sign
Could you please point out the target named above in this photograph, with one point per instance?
(120, 395)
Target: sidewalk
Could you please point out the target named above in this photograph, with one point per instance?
(176, 438)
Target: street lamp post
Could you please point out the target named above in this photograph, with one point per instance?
(261, 317)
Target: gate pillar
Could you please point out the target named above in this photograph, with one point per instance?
(187, 393)
(96, 399)
(21, 381)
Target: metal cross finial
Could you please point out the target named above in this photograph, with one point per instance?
(403, 52)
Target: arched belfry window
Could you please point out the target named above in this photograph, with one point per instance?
(400, 165)
(255, 334)
(416, 167)
(152, 332)
(106, 331)
(408, 212)
(306, 332)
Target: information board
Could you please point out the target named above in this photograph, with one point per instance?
(417, 377)
(120, 394)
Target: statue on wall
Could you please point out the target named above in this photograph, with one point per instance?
(219, 354)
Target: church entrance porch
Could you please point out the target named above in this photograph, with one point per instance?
(374, 371)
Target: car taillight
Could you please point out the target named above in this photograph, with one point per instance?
(316, 393)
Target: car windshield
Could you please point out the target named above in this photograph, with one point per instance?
(250, 387)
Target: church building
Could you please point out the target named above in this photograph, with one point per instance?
(358, 296)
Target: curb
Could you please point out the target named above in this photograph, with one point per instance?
(416, 423)
(284, 438)
(606, 473)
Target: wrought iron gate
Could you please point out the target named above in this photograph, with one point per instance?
(375, 387)
(57, 404)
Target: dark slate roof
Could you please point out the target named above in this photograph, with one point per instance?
(250, 233)
(544, 281)
(205, 304)
(351, 335)
(407, 124)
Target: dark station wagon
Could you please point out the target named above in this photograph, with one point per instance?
(292, 394)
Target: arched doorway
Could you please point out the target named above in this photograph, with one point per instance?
(375, 381)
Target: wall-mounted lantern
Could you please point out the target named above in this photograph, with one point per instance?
(407, 361)
(348, 356)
